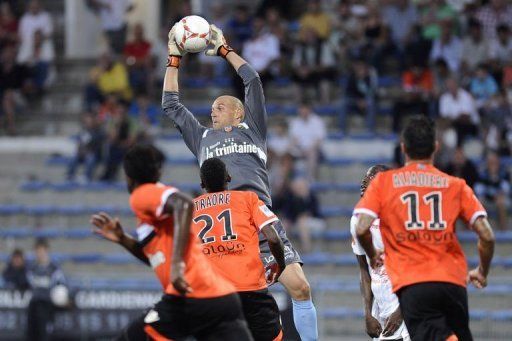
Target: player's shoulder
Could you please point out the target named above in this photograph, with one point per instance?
(244, 195)
(150, 192)
(454, 182)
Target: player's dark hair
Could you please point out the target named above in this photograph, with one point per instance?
(214, 175)
(41, 242)
(143, 163)
(371, 173)
(419, 137)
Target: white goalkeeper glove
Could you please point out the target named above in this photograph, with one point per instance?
(220, 46)
(175, 53)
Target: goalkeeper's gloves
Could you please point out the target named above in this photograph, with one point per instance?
(220, 46)
(175, 53)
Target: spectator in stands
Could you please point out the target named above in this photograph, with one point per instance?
(460, 166)
(146, 113)
(432, 16)
(417, 87)
(494, 186)
(360, 94)
(113, 21)
(475, 49)
(40, 62)
(417, 48)
(90, 143)
(500, 49)
(279, 143)
(43, 275)
(441, 74)
(108, 77)
(262, 51)
(316, 19)
(447, 46)
(345, 24)
(8, 26)
(14, 82)
(313, 65)
(496, 12)
(483, 87)
(137, 54)
(239, 28)
(210, 67)
(400, 16)
(308, 132)
(33, 43)
(458, 107)
(121, 134)
(302, 210)
(15, 273)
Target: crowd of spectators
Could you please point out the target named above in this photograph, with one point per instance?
(26, 58)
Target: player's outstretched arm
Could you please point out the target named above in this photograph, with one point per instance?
(180, 206)
(364, 237)
(255, 112)
(111, 230)
(373, 327)
(184, 120)
(276, 248)
(486, 240)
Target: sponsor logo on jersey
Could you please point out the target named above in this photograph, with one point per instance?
(425, 237)
(230, 146)
(225, 249)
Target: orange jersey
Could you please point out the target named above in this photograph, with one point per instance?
(155, 232)
(227, 225)
(418, 206)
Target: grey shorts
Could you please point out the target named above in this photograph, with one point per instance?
(290, 254)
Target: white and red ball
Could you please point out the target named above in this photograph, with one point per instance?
(192, 33)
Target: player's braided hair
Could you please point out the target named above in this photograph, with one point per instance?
(214, 175)
(370, 174)
(143, 163)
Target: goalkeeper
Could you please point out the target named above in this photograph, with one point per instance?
(239, 138)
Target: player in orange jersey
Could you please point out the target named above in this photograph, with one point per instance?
(228, 224)
(418, 206)
(197, 301)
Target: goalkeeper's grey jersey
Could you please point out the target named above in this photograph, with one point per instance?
(243, 148)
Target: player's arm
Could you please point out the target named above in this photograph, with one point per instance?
(276, 248)
(111, 230)
(183, 119)
(373, 327)
(486, 240)
(181, 207)
(255, 111)
(364, 237)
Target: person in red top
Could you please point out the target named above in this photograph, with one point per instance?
(197, 300)
(137, 54)
(227, 224)
(418, 206)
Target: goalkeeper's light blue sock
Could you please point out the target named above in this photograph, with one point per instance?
(304, 317)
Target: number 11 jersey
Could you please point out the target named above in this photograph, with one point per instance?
(418, 206)
(228, 224)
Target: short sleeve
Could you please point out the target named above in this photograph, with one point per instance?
(261, 214)
(356, 246)
(471, 208)
(148, 201)
(370, 203)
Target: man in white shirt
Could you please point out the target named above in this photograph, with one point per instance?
(458, 107)
(262, 50)
(35, 20)
(475, 49)
(307, 132)
(501, 48)
(382, 309)
(112, 14)
(447, 47)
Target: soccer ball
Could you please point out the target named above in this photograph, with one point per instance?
(192, 33)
